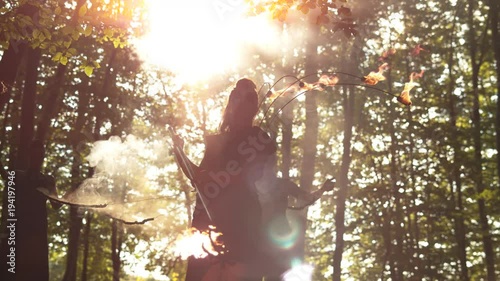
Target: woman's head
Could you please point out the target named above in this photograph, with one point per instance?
(241, 107)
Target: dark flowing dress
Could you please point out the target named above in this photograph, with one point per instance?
(282, 238)
(231, 165)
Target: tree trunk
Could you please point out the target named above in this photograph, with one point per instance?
(32, 253)
(399, 232)
(495, 40)
(54, 91)
(30, 207)
(286, 68)
(14, 135)
(116, 243)
(5, 122)
(456, 181)
(26, 133)
(100, 106)
(413, 214)
(34, 217)
(478, 160)
(31, 250)
(286, 143)
(75, 218)
(75, 225)
(86, 245)
(308, 161)
(387, 238)
(348, 105)
(11, 58)
(477, 173)
(309, 142)
(8, 116)
(117, 240)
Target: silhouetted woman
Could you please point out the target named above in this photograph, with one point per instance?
(226, 177)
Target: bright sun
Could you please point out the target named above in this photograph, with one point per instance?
(197, 38)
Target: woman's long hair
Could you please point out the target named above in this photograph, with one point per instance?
(243, 96)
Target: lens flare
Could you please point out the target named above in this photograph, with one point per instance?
(302, 272)
(197, 244)
(283, 237)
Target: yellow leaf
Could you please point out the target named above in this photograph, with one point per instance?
(108, 32)
(36, 33)
(47, 33)
(89, 70)
(82, 11)
(88, 30)
(72, 51)
(67, 29)
(57, 56)
(64, 60)
(58, 10)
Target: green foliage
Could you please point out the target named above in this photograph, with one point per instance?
(58, 29)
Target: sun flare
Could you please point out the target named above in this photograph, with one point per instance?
(196, 39)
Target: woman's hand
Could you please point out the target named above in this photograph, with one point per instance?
(178, 141)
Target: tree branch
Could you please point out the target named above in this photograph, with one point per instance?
(51, 197)
(130, 222)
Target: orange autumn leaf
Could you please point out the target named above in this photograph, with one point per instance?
(386, 54)
(404, 97)
(374, 77)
